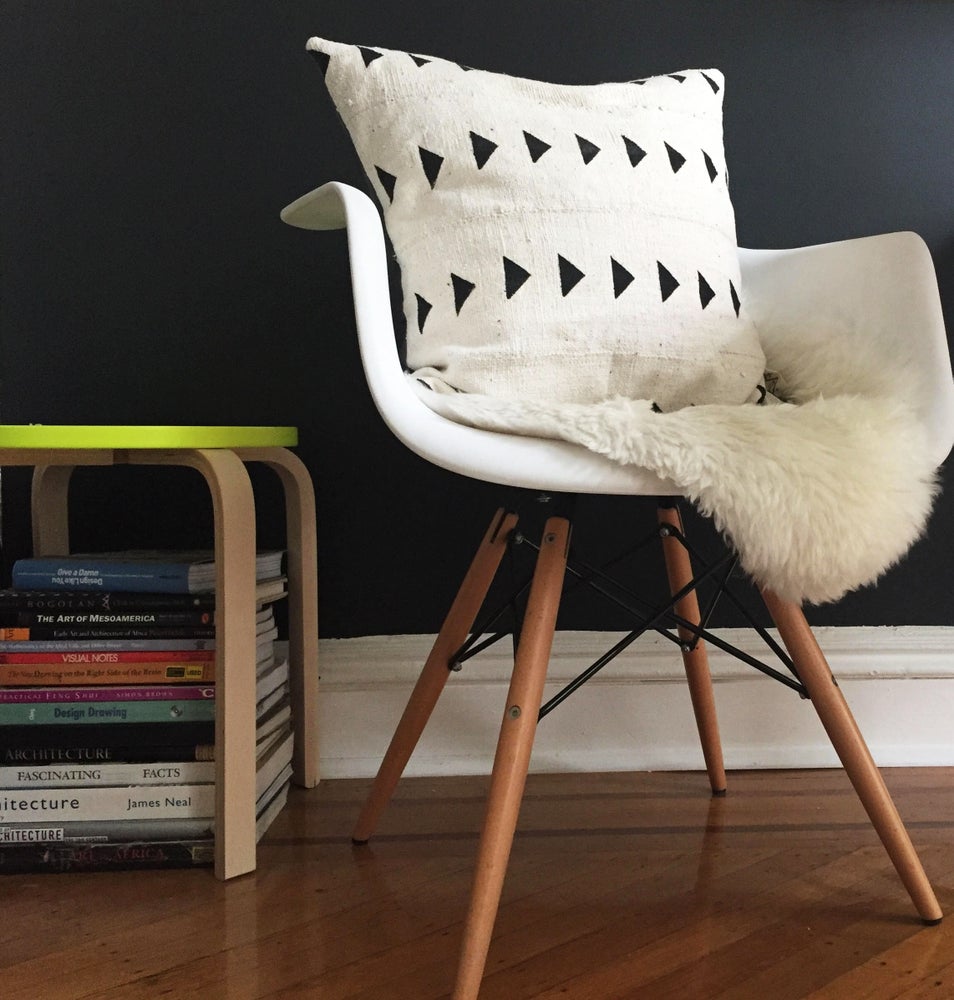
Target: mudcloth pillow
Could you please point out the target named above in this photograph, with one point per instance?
(563, 243)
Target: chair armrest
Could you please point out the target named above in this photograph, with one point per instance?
(341, 206)
(874, 298)
(508, 459)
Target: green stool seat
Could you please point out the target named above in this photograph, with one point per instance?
(143, 436)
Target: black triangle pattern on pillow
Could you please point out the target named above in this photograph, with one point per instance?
(588, 150)
(423, 308)
(369, 55)
(432, 163)
(667, 282)
(634, 151)
(515, 276)
(622, 278)
(387, 182)
(676, 159)
(462, 289)
(570, 275)
(483, 149)
(322, 58)
(706, 294)
(537, 147)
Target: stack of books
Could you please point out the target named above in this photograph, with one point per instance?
(107, 711)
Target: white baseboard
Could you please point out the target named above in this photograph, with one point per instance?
(635, 714)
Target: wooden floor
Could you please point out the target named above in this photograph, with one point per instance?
(620, 886)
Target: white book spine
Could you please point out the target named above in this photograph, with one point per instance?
(106, 831)
(60, 805)
(192, 772)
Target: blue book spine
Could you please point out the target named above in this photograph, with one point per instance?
(54, 573)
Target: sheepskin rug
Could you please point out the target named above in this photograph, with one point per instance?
(818, 495)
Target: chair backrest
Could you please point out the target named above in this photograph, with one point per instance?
(879, 296)
(877, 292)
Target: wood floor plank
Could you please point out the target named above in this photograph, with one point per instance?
(626, 886)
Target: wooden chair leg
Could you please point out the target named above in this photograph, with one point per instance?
(694, 656)
(436, 670)
(850, 746)
(513, 754)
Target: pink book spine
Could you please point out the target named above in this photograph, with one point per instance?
(147, 692)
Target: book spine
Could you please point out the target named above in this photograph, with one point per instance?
(185, 772)
(43, 806)
(96, 656)
(102, 600)
(106, 831)
(267, 813)
(106, 712)
(95, 754)
(88, 619)
(139, 856)
(104, 735)
(137, 692)
(119, 674)
(100, 575)
(91, 644)
(58, 634)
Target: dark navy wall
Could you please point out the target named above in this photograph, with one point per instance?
(146, 277)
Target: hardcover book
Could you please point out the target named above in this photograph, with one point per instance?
(78, 803)
(54, 858)
(185, 772)
(157, 572)
(107, 713)
(76, 674)
(133, 692)
(103, 735)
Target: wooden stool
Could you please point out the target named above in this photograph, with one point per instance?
(219, 454)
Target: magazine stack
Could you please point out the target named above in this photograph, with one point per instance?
(107, 711)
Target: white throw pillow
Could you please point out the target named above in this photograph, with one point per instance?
(559, 243)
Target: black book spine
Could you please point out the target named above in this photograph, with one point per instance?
(102, 600)
(109, 619)
(106, 735)
(55, 858)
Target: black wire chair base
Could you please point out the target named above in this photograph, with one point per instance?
(646, 616)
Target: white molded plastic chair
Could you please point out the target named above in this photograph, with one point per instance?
(885, 284)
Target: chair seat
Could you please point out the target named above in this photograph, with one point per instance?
(143, 436)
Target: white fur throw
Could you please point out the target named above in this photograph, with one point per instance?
(542, 227)
(818, 496)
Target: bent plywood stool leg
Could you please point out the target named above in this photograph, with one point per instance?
(49, 509)
(694, 656)
(233, 510)
(512, 759)
(836, 717)
(302, 561)
(49, 491)
(430, 684)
